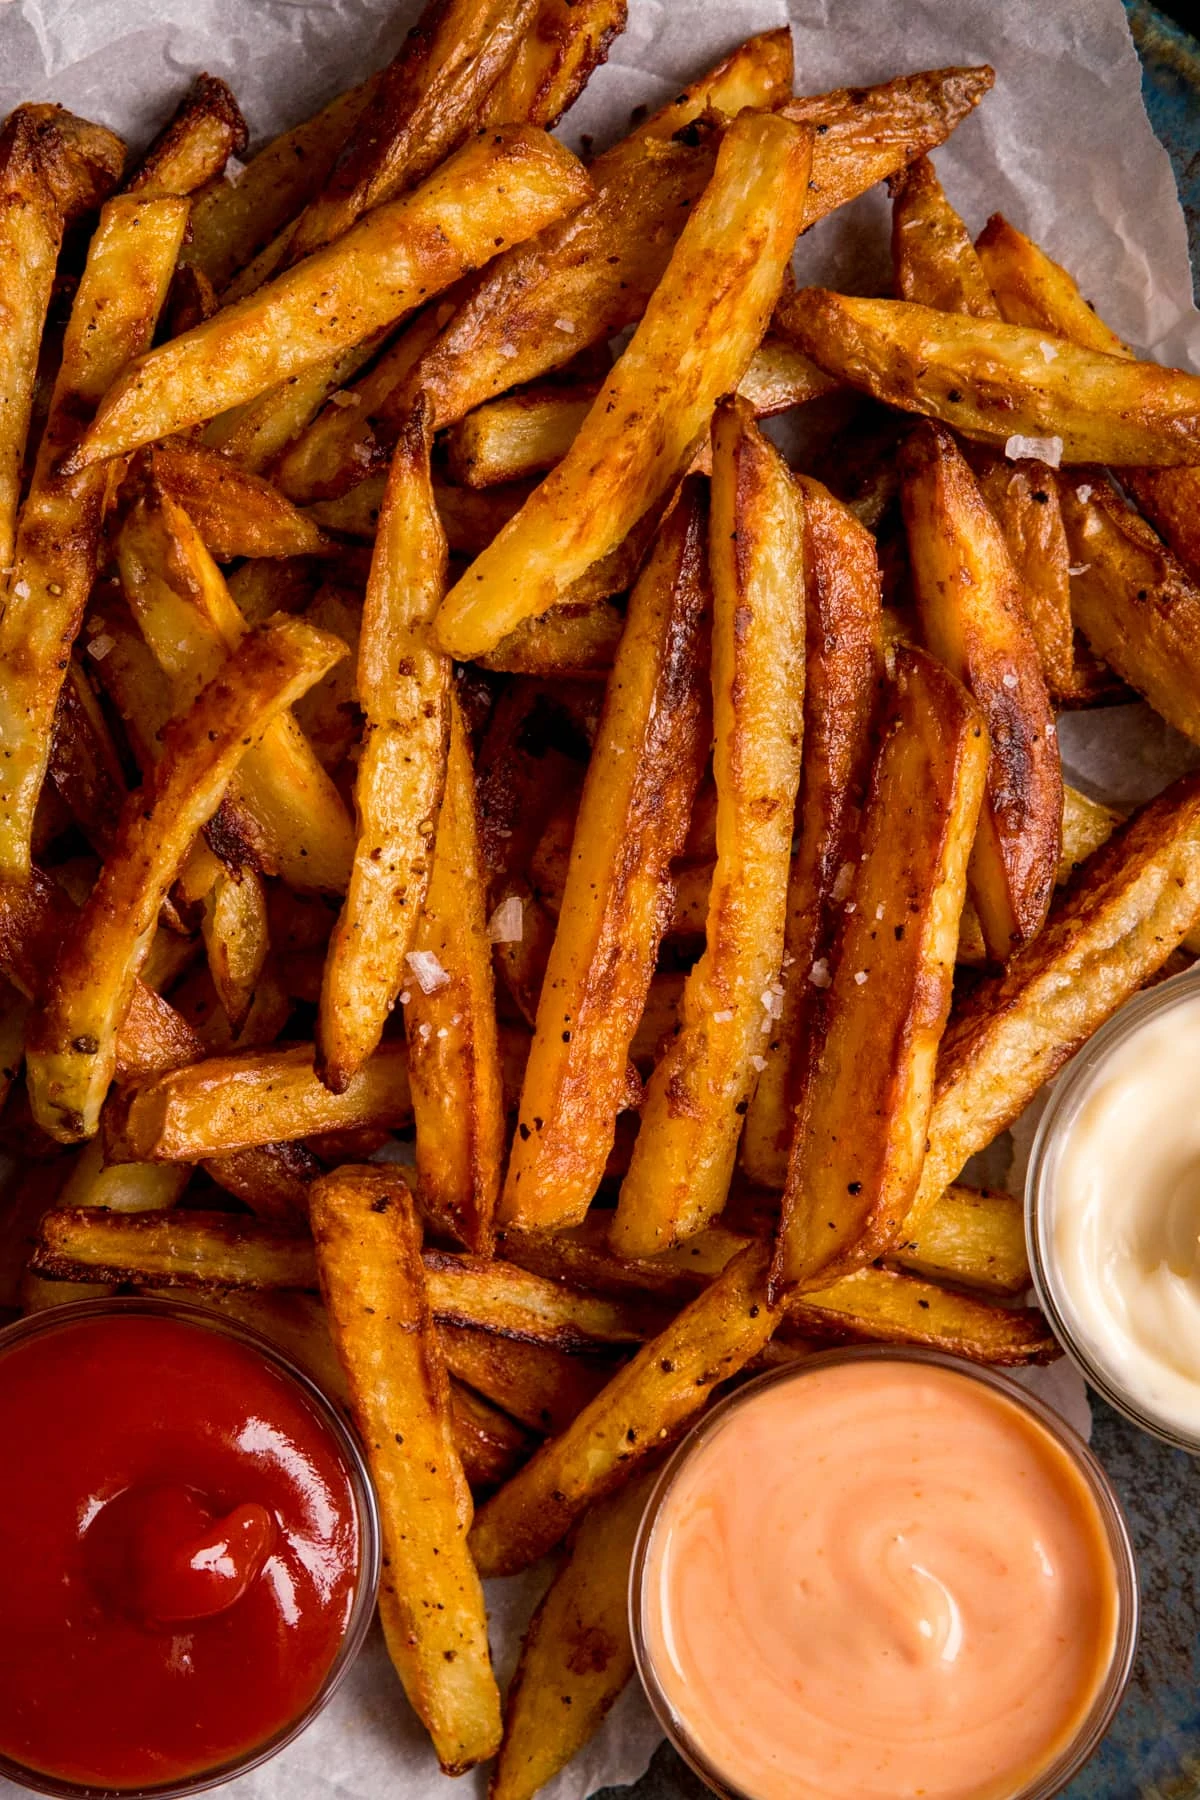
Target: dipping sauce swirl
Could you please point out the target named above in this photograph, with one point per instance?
(878, 1579)
(183, 1550)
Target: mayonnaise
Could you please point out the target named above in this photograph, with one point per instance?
(1119, 1218)
(878, 1579)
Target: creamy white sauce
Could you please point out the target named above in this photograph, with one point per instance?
(1121, 1221)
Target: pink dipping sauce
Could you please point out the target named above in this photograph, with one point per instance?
(879, 1580)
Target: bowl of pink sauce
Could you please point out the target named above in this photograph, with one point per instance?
(884, 1574)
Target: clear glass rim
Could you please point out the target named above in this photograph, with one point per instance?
(1074, 1755)
(1066, 1097)
(367, 1512)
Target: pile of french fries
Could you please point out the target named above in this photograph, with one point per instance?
(421, 726)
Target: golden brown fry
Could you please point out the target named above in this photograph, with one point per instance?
(293, 818)
(1024, 498)
(72, 1046)
(453, 1048)
(233, 220)
(571, 641)
(505, 185)
(236, 939)
(994, 381)
(935, 262)
(1110, 931)
(195, 144)
(566, 41)
(867, 134)
(973, 619)
(1135, 603)
(236, 513)
(490, 1445)
(404, 691)
(117, 303)
(842, 671)
(495, 1296)
(542, 1387)
(692, 345)
(644, 1406)
(522, 434)
(256, 433)
(974, 1236)
(250, 1098)
(882, 1306)
(175, 1249)
(122, 1187)
(431, 1602)
(81, 161)
(860, 1134)
(577, 1654)
(633, 817)
(697, 1097)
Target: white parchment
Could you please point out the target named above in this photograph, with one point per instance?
(1062, 145)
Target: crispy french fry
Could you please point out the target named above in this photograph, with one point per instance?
(883, 1306)
(491, 1447)
(867, 134)
(973, 620)
(237, 940)
(842, 670)
(577, 1654)
(81, 161)
(85, 765)
(122, 1187)
(1108, 933)
(993, 381)
(973, 1236)
(72, 1046)
(644, 1406)
(633, 817)
(404, 691)
(692, 345)
(298, 825)
(431, 1602)
(256, 433)
(860, 1135)
(935, 262)
(697, 1097)
(1024, 499)
(505, 185)
(118, 301)
(453, 1048)
(565, 43)
(494, 1296)
(233, 220)
(572, 641)
(543, 1387)
(195, 143)
(176, 1249)
(237, 514)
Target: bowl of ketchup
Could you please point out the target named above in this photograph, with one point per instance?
(191, 1549)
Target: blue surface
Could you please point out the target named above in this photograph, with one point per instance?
(1153, 1749)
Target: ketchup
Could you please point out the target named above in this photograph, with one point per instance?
(180, 1550)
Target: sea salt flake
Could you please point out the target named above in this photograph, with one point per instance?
(841, 882)
(442, 1031)
(1078, 568)
(851, 906)
(772, 1002)
(1049, 351)
(425, 1030)
(99, 647)
(346, 398)
(860, 976)
(878, 913)
(1040, 449)
(427, 971)
(759, 1063)
(564, 325)
(405, 996)
(1083, 493)
(819, 973)
(507, 923)
(1010, 681)
(723, 1017)
(234, 170)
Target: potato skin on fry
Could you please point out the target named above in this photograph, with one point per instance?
(973, 619)
(632, 821)
(368, 1245)
(179, 1249)
(859, 1140)
(936, 263)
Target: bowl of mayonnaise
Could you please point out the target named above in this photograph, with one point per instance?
(1112, 1210)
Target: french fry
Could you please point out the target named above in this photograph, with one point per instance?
(643, 1408)
(237, 514)
(250, 1098)
(860, 1134)
(571, 641)
(543, 1387)
(633, 817)
(81, 161)
(493, 1296)
(85, 765)
(423, 105)
(173, 1249)
(577, 1653)
(935, 262)
(431, 1603)
(256, 433)
(993, 382)
(297, 823)
(122, 1187)
(237, 941)
(698, 1095)
(491, 1447)
(973, 1236)
(404, 691)
(1108, 933)
(882, 1306)
(842, 672)
(1024, 499)
(72, 1045)
(329, 714)
(973, 619)
(566, 41)
(692, 345)
(504, 186)
(453, 1048)
(233, 220)
(195, 143)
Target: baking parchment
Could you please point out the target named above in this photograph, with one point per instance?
(1062, 146)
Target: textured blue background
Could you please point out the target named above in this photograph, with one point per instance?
(1153, 1749)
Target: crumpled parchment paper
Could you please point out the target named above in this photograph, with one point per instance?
(1062, 145)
